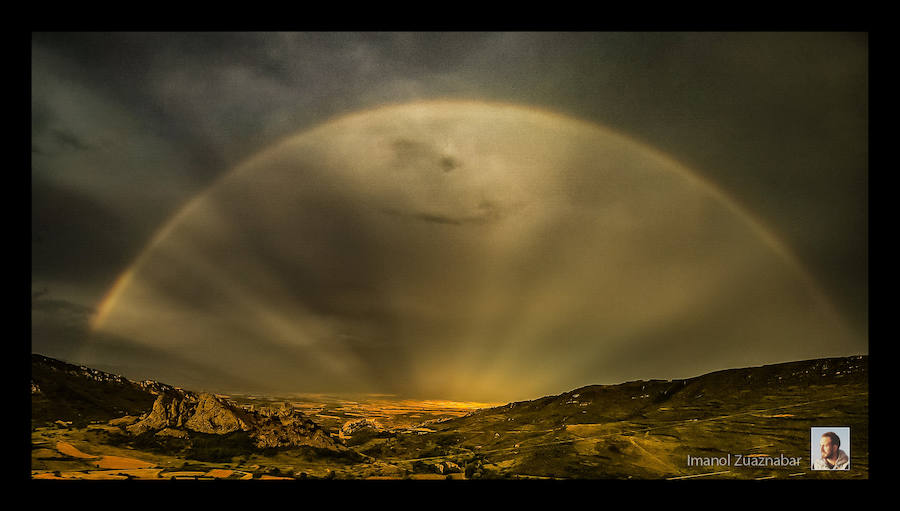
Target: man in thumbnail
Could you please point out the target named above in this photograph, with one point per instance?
(831, 456)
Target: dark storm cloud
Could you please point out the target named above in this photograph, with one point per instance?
(196, 86)
(74, 237)
(60, 329)
(127, 126)
(777, 120)
(72, 342)
(63, 307)
(71, 141)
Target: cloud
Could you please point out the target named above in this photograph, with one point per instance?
(75, 236)
(126, 127)
(59, 307)
(70, 140)
(489, 212)
(60, 330)
(423, 155)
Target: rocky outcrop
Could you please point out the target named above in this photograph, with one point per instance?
(168, 411)
(204, 413)
(175, 415)
(215, 416)
(356, 427)
(282, 410)
(290, 431)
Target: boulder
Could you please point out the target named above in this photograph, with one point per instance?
(355, 427)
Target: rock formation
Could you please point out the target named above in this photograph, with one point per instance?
(215, 416)
(290, 430)
(355, 427)
(176, 414)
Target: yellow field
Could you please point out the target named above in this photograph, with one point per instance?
(151, 473)
(70, 450)
(184, 474)
(45, 475)
(220, 473)
(119, 462)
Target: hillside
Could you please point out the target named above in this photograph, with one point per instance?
(639, 429)
(79, 394)
(160, 413)
(648, 428)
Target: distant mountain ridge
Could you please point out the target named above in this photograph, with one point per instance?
(718, 385)
(80, 394)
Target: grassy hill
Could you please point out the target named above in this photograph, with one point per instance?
(62, 391)
(647, 429)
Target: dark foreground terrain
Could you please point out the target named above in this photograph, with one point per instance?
(87, 424)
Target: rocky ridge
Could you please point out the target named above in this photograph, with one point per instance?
(67, 392)
(180, 414)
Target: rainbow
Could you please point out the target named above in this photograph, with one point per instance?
(768, 237)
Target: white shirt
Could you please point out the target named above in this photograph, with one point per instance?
(842, 463)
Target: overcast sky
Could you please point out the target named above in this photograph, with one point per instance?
(127, 128)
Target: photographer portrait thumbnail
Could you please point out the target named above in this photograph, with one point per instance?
(829, 455)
